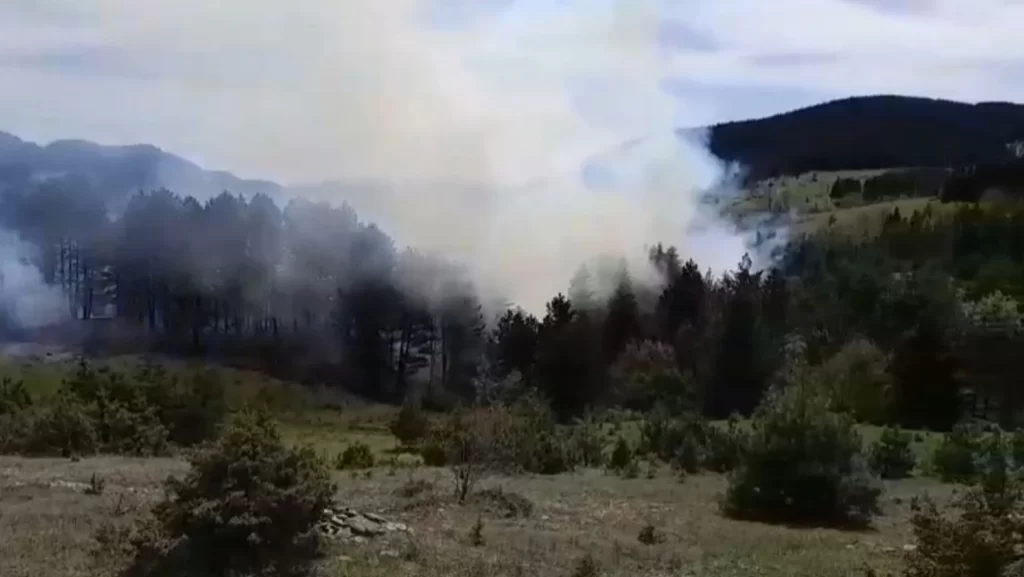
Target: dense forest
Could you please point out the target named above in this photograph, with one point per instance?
(870, 133)
(919, 324)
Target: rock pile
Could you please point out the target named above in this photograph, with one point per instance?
(348, 524)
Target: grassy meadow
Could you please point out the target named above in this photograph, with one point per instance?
(806, 193)
(48, 517)
(806, 197)
(47, 521)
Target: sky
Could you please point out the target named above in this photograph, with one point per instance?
(255, 86)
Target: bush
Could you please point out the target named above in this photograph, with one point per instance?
(953, 460)
(654, 434)
(622, 455)
(649, 535)
(142, 416)
(248, 506)
(667, 436)
(993, 460)
(15, 430)
(688, 452)
(503, 503)
(652, 470)
(123, 419)
(630, 471)
(891, 455)
(529, 437)
(690, 443)
(61, 428)
(552, 456)
(411, 424)
(133, 431)
(192, 411)
(1017, 448)
(724, 449)
(586, 443)
(356, 456)
(526, 438)
(476, 534)
(99, 388)
(475, 444)
(856, 380)
(112, 547)
(981, 540)
(96, 485)
(522, 437)
(803, 465)
(14, 397)
(586, 566)
(415, 487)
(433, 455)
(645, 374)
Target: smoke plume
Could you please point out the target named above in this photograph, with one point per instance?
(26, 301)
(519, 138)
(522, 142)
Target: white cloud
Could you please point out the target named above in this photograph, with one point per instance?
(945, 48)
(200, 76)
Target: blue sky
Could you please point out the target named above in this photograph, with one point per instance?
(198, 77)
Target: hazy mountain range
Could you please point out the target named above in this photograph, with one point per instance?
(854, 133)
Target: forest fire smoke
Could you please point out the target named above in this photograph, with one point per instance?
(505, 138)
(518, 139)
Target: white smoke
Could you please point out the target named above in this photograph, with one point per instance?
(523, 143)
(26, 301)
(521, 138)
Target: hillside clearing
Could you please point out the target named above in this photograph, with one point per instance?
(806, 193)
(866, 221)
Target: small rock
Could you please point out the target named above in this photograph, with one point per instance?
(364, 527)
(389, 553)
(358, 540)
(850, 546)
(909, 547)
(343, 558)
(888, 549)
(544, 517)
(401, 527)
(375, 518)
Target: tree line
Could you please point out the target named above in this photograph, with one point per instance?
(870, 133)
(915, 182)
(924, 316)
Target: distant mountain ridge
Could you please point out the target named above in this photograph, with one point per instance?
(116, 171)
(872, 132)
(852, 133)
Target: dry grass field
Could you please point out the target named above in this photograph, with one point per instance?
(49, 514)
(48, 518)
